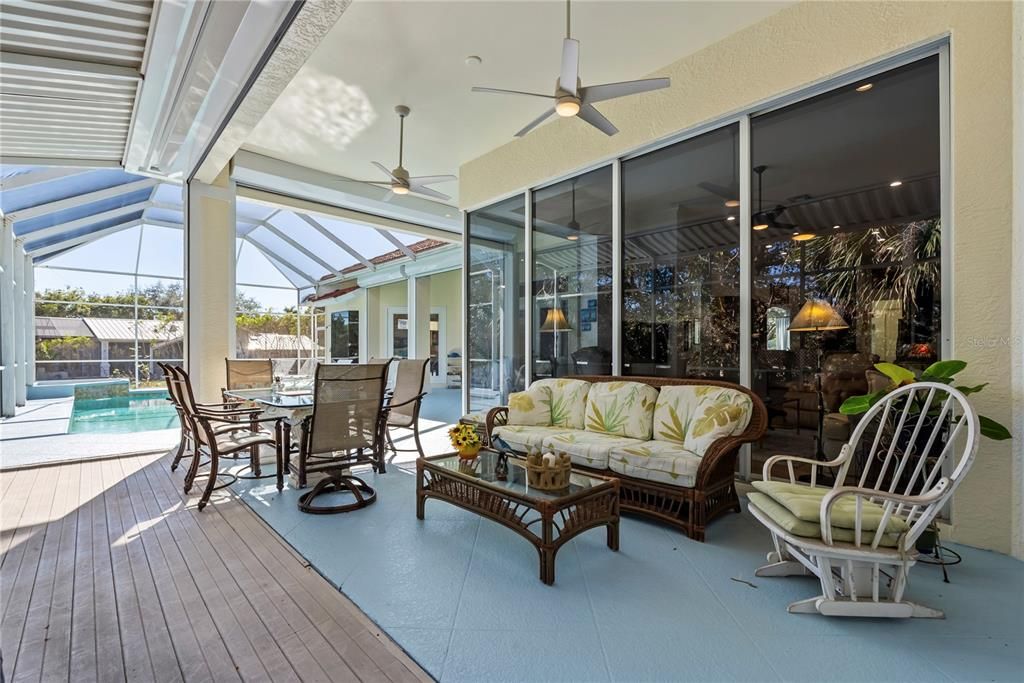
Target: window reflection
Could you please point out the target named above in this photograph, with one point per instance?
(572, 277)
(680, 308)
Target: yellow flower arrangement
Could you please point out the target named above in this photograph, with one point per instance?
(465, 440)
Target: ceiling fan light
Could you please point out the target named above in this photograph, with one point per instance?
(761, 226)
(399, 189)
(567, 106)
(572, 238)
(732, 203)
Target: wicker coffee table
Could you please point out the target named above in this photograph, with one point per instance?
(547, 519)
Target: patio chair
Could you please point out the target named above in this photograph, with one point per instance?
(915, 448)
(218, 431)
(346, 429)
(248, 373)
(404, 403)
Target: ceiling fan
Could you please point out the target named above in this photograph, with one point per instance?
(762, 218)
(401, 182)
(572, 99)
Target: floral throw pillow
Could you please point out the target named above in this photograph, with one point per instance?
(531, 408)
(695, 416)
(568, 403)
(621, 408)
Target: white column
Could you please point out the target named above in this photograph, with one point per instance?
(18, 313)
(209, 283)
(418, 302)
(371, 343)
(30, 321)
(8, 389)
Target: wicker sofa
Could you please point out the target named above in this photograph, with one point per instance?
(672, 443)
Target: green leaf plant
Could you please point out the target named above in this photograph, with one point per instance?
(943, 372)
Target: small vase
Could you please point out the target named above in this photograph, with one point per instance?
(469, 452)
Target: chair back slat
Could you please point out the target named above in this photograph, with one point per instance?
(249, 373)
(908, 453)
(879, 483)
(347, 407)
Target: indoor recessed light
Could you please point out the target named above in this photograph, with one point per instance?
(835, 227)
(732, 203)
(761, 226)
(572, 238)
(730, 218)
(473, 60)
(865, 87)
(896, 183)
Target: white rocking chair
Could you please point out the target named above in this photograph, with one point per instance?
(916, 444)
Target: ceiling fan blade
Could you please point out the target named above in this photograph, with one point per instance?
(609, 91)
(500, 91)
(431, 179)
(595, 118)
(384, 170)
(570, 73)
(536, 122)
(427, 192)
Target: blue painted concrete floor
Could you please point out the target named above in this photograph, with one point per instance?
(461, 595)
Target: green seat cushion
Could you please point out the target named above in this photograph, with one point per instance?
(798, 527)
(804, 503)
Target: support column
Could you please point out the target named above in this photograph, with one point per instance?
(18, 311)
(30, 322)
(209, 282)
(371, 344)
(8, 388)
(418, 303)
(104, 358)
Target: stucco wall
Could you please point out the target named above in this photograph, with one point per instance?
(1017, 352)
(797, 47)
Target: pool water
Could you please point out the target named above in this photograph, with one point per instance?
(140, 411)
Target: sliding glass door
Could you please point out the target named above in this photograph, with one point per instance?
(680, 271)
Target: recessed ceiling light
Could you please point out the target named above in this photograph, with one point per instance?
(761, 226)
(835, 227)
(865, 87)
(448, 215)
(730, 218)
(473, 60)
(804, 235)
(896, 183)
(732, 203)
(572, 238)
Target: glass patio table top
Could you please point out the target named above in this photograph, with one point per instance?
(482, 470)
(289, 400)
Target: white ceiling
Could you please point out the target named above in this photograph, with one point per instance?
(337, 114)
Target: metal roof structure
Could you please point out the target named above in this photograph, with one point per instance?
(69, 76)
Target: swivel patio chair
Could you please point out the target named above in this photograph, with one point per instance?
(404, 403)
(219, 431)
(913, 449)
(346, 429)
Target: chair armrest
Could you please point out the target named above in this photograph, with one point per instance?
(492, 415)
(766, 471)
(894, 503)
(414, 399)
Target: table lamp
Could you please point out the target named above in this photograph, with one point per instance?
(817, 315)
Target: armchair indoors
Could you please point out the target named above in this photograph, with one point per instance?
(913, 449)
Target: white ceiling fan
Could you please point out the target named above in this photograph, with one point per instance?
(401, 182)
(572, 99)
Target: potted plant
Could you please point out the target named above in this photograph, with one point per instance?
(943, 372)
(465, 440)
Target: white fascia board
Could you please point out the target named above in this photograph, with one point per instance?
(79, 200)
(261, 172)
(319, 208)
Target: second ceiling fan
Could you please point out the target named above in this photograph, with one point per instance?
(571, 98)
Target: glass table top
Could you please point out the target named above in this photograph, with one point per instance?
(286, 399)
(482, 470)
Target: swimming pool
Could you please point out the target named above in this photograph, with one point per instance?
(140, 411)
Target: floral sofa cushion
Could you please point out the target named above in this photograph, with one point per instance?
(589, 449)
(568, 401)
(550, 403)
(524, 438)
(694, 416)
(621, 408)
(659, 461)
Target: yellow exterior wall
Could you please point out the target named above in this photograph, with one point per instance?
(795, 48)
(446, 291)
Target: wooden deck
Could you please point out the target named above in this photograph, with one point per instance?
(107, 572)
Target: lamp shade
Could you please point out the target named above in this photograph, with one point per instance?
(555, 322)
(817, 315)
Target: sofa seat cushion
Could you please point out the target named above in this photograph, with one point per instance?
(656, 461)
(798, 527)
(621, 408)
(588, 449)
(804, 503)
(695, 416)
(523, 438)
(558, 402)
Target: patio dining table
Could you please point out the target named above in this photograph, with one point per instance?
(293, 406)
